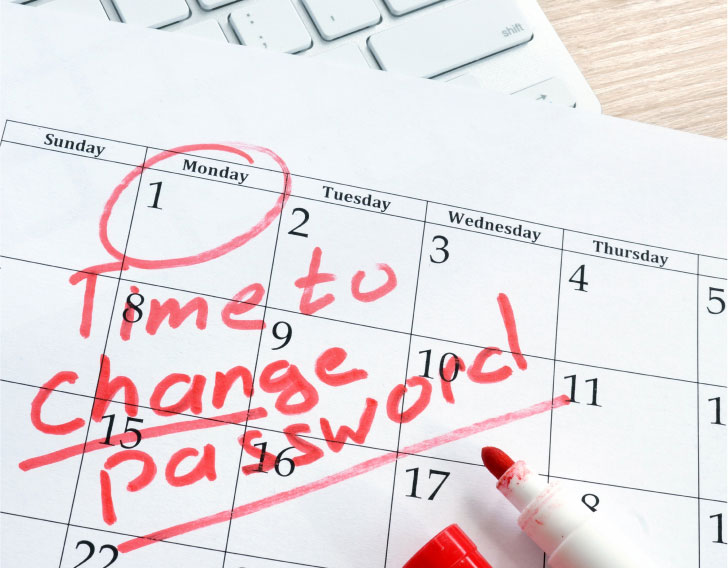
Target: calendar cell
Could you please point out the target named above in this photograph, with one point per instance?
(342, 263)
(615, 430)
(206, 351)
(440, 399)
(146, 473)
(100, 549)
(329, 380)
(37, 423)
(40, 307)
(304, 513)
(430, 494)
(65, 230)
(201, 235)
(21, 538)
(607, 314)
(713, 415)
(661, 526)
(712, 330)
(506, 281)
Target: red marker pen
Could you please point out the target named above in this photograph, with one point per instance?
(569, 533)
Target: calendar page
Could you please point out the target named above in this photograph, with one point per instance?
(261, 312)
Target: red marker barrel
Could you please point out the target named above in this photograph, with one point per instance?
(450, 548)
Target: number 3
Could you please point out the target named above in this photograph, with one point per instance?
(442, 248)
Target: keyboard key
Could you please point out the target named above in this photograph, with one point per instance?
(211, 4)
(270, 24)
(335, 18)
(399, 7)
(347, 54)
(436, 42)
(552, 90)
(152, 14)
(85, 7)
(208, 29)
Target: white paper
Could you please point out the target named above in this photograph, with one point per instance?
(478, 206)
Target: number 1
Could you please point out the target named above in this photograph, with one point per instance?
(155, 205)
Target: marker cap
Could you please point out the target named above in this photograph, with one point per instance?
(450, 548)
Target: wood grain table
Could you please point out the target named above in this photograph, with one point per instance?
(657, 61)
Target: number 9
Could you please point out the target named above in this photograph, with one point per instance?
(282, 330)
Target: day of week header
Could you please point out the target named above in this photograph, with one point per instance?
(225, 173)
(82, 145)
(643, 254)
(519, 230)
(364, 198)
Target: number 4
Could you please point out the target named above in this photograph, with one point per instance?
(580, 282)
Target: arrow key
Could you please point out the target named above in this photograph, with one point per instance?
(552, 90)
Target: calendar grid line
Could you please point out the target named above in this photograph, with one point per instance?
(553, 369)
(697, 389)
(98, 378)
(383, 329)
(404, 383)
(255, 372)
(162, 541)
(363, 446)
(2, 136)
(104, 160)
(416, 199)
(76, 133)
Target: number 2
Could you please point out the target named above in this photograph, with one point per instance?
(295, 230)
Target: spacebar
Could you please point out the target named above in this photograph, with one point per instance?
(445, 39)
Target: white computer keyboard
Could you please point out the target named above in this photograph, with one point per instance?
(502, 45)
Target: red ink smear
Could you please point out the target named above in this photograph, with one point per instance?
(106, 390)
(153, 432)
(476, 373)
(517, 471)
(238, 241)
(204, 468)
(310, 452)
(510, 322)
(176, 314)
(496, 460)
(191, 400)
(308, 282)
(245, 300)
(395, 400)
(224, 382)
(377, 293)
(354, 471)
(359, 436)
(149, 470)
(330, 360)
(289, 383)
(39, 400)
(126, 324)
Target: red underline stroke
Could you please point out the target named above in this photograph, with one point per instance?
(354, 471)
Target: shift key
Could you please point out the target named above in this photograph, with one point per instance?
(442, 40)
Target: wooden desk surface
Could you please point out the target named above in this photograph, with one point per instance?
(656, 61)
